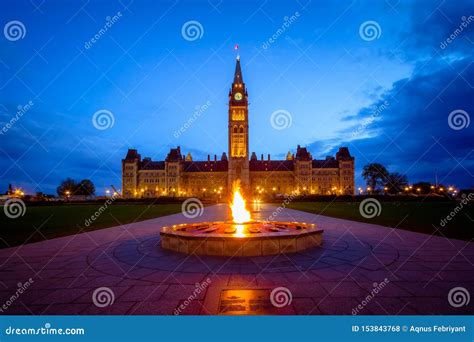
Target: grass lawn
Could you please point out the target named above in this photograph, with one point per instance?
(413, 216)
(61, 220)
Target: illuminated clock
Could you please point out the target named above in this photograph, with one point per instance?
(238, 96)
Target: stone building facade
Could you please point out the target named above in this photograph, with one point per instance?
(181, 176)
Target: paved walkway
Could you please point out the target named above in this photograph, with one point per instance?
(361, 269)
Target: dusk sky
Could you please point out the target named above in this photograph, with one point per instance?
(386, 93)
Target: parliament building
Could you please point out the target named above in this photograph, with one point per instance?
(181, 176)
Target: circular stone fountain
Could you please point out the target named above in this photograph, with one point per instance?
(253, 238)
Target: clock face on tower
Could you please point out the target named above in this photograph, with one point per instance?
(238, 96)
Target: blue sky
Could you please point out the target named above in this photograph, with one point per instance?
(319, 69)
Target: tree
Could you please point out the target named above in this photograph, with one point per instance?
(70, 187)
(85, 188)
(396, 182)
(374, 174)
(67, 187)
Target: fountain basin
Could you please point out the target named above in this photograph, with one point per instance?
(254, 238)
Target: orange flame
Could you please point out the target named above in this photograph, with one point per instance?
(239, 213)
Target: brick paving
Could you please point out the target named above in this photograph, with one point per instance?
(417, 272)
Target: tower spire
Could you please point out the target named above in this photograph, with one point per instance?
(238, 72)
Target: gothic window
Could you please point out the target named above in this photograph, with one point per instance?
(238, 115)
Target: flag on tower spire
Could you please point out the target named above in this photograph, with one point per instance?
(236, 48)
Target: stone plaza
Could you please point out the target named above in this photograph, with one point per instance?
(359, 269)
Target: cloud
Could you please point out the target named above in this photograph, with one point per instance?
(412, 133)
(36, 155)
(433, 23)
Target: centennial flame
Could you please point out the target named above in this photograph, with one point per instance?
(239, 213)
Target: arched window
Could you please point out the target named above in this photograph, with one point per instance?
(235, 129)
(241, 129)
